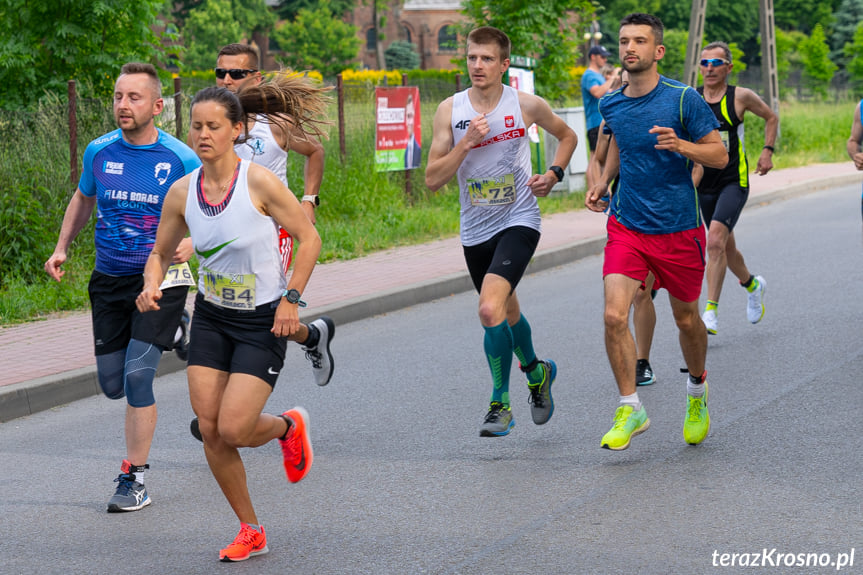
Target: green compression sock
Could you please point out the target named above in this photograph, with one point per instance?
(498, 351)
(523, 348)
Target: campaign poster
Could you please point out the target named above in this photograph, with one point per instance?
(522, 79)
(398, 130)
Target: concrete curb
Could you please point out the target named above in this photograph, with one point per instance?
(30, 397)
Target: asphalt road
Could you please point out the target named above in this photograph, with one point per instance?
(402, 482)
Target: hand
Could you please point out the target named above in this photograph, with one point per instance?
(287, 320)
(185, 249)
(52, 266)
(309, 210)
(596, 198)
(148, 299)
(666, 139)
(765, 162)
(858, 160)
(476, 131)
(541, 185)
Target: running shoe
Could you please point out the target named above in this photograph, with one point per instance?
(643, 373)
(129, 496)
(627, 424)
(297, 446)
(181, 340)
(196, 430)
(247, 543)
(711, 321)
(541, 403)
(697, 422)
(498, 421)
(320, 356)
(755, 305)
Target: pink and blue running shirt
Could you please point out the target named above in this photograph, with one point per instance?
(130, 184)
(655, 193)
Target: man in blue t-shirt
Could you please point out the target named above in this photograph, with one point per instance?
(660, 128)
(595, 85)
(126, 175)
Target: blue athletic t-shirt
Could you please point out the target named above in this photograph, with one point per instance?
(591, 78)
(655, 193)
(130, 184)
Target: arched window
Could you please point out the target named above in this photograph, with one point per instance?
(406, 33)
(447, 39)
(371, 40)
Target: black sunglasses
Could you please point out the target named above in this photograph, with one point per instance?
(715, 62)
(236, 73)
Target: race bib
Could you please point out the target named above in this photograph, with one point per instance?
(724, 136)
(232, 291)
(178, 275)
(497, 191)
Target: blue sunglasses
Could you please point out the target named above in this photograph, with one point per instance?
(715, 62)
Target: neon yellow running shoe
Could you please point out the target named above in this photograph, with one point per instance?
(697, 422)
(627, 422)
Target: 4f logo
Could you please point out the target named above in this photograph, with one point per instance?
(509, 121)
(462, 125)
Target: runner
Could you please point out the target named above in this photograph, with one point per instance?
(723, 192)
(245, 309)
(126, 175)
(660, 127)
(480, 135)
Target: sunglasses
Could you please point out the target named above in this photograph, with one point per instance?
(715, 62)
(235, 73)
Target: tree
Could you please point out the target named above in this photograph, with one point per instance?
(847, 17)
(818, 70)
(674, 61)
(289, 9)
(402, 56)
(214, 23)
(803, 15)
(317, 40)
(787, 57)
(854, 54)
(45, 44)
(541, 29)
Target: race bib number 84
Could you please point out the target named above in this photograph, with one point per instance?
(232, 291)
(492, 191)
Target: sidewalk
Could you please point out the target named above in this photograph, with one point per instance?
(49, 363)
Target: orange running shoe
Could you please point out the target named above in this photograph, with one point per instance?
(247, 543)
(297, 446)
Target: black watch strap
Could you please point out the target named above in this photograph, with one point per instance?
(558, 171)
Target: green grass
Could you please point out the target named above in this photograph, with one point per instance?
(361, 212)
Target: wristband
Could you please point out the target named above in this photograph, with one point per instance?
(768, 148)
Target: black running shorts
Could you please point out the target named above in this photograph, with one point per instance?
(116, 319)
(237, 341)
(506, 254)
(724, 205)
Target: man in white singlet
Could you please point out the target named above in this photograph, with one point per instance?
(480, 136)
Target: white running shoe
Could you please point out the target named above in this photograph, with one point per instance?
(755, 306)
(711, 321)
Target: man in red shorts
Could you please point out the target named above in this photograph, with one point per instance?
(660, 128)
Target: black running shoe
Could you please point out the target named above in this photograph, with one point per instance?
(643, 373)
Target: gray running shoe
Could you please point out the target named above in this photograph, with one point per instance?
(320, 356)
(129, 496)
(643, 373)
(541, 403)
(181, 343)
(498, 421)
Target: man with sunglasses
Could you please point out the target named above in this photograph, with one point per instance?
(722, 193)
(267, 144)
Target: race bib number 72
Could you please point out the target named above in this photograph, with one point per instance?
(496, 191)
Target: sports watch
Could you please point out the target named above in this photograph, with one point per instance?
(314, 199)
(558, 171)
(293, 296)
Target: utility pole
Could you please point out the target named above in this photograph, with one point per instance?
(769, 71)
(693, 47)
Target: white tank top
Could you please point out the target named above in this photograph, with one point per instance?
(262, 148)
(240, 265)
(493, 177)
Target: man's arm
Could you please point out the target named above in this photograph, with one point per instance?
(77, 214)
(708, 151)
(313, 169)
(600, 90)
(853, 144)
(445, 158)
(750, 101)
(535, 110)
(610, 171)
